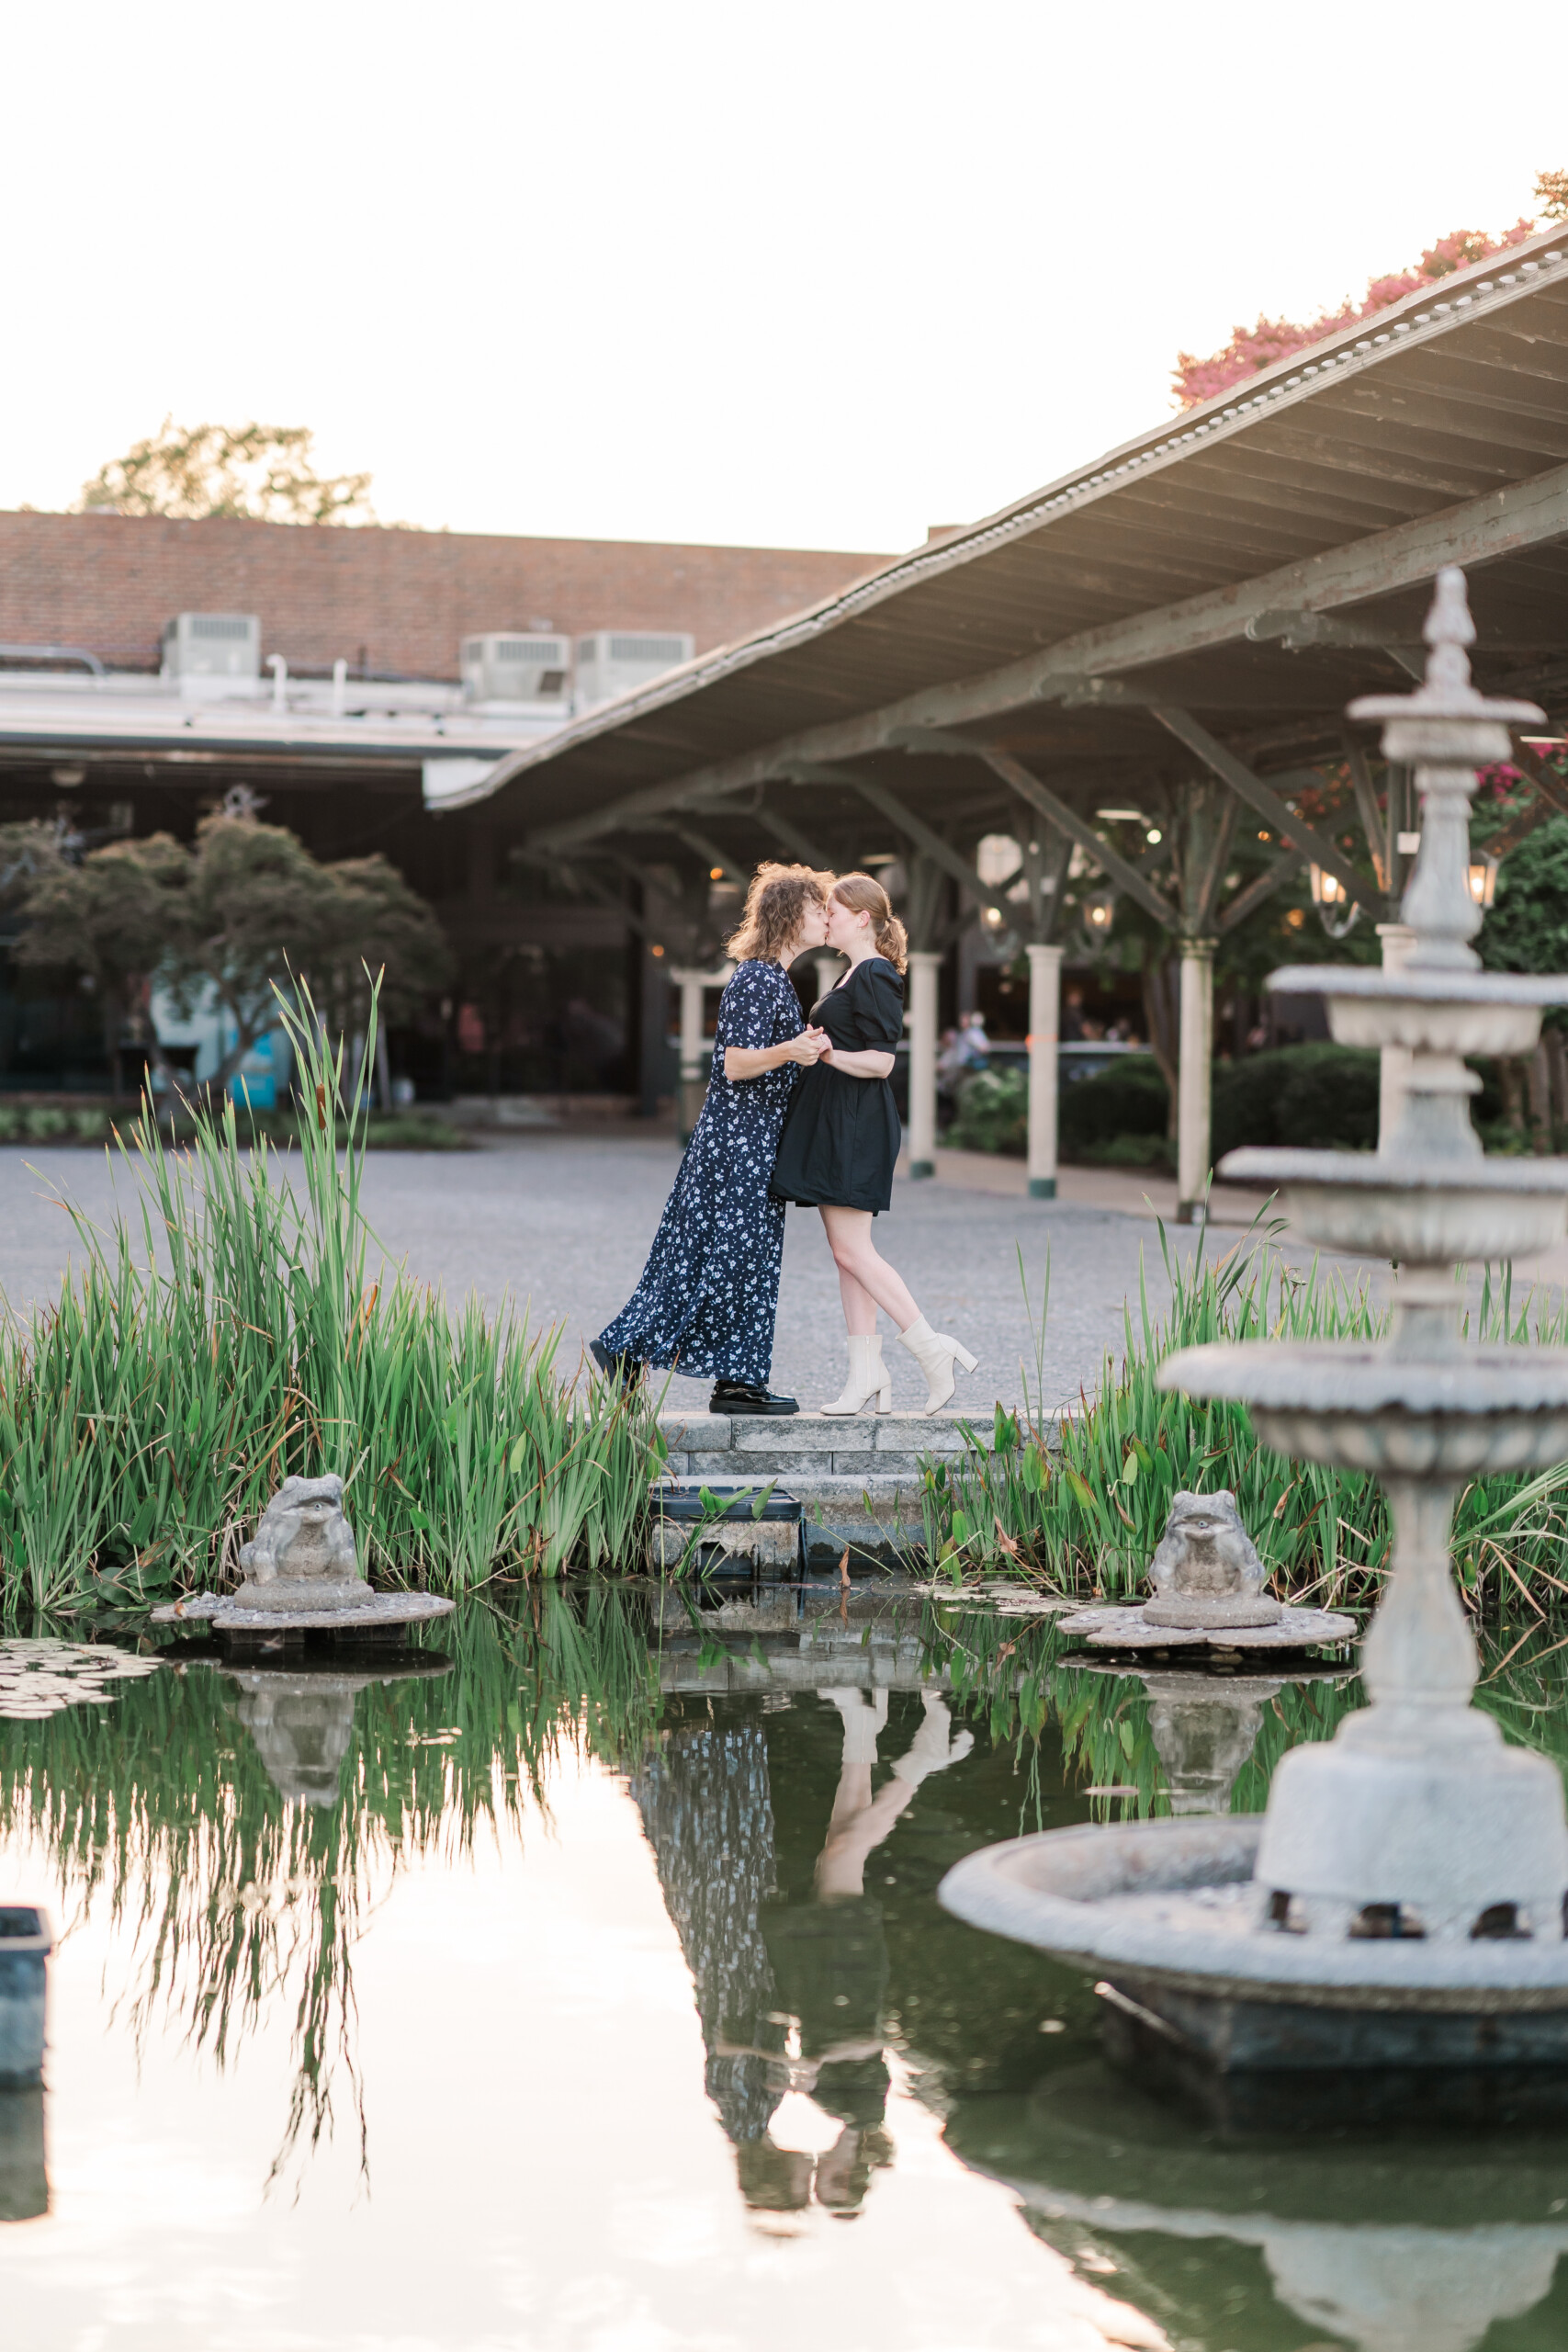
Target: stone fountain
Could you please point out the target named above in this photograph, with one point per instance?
(1399, 1915)
(302, 1576)
(1208, 1593)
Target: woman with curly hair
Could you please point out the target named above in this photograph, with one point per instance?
(841, 1140)
(709, 1292)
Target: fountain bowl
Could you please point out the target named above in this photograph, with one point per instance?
(1357, 1405)
(1428, 1011)
(1376, 1204)
(1164, 1914)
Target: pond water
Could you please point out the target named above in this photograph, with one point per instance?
(577, 1980)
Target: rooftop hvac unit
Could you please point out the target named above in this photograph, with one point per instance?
(516, 669)
(613, 661)
(213, 649)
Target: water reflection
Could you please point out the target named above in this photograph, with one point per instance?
(24, 2176)
(1204, 1726)
(803, 1785)
(791, 1994)
(1392, 2246)
(247, 1823)
(300, 1717)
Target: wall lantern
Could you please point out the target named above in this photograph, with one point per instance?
(1097, 912)
(1484, 880)
(1336, 911)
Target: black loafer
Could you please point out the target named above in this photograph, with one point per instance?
(748, 1397)
(625, 1369)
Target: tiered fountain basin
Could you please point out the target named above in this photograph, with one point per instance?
(1174, 1920)
(1401, 1909)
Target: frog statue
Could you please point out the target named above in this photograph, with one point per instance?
(1205, 1572)
(302, 1556)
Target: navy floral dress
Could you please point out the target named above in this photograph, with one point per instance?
(709, 1292)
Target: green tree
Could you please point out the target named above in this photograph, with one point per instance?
(222, 923)
(1526, 930)
(112, 918)
(257, 474)
(378, 929)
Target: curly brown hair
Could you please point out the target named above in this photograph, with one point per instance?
(864, 895)
(775, 909)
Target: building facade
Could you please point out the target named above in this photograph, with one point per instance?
(354, 713)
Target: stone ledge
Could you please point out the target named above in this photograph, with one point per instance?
(905, 1434)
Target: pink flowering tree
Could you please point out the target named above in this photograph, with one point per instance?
(1252, 348)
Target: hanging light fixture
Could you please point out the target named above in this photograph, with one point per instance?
(1484, 880)
(1336, 911)
(1098, 912)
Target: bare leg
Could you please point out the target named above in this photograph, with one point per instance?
(854, 1254)
(860, 1308)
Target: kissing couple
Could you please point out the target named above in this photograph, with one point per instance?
(795, 1111)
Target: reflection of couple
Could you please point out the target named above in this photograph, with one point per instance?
(794, 1111)
(790, 1995)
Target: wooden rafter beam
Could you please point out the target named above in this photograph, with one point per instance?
(1522, 514)
(940, 853)
(712, 856)
(1552, 787)
(788, 835)
(1262, 886)
(1380, 835)
(1308, 844)
(1112, 864)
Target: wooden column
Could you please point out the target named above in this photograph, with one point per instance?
(693, 988)
(1194, 1077)
(925, 969)
(1045, 1031)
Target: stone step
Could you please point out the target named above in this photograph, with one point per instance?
(737, 1445)
(858, 1478)
(808, 1447)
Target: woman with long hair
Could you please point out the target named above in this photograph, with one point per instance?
(709, 1292)
(841, 1140)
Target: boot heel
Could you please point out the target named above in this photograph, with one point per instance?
(884, 1398)
(963, 1356)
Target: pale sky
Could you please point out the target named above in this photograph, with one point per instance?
(818, 275)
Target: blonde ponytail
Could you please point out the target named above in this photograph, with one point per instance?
(864, 895)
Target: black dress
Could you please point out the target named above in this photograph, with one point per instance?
(709, 1295)
(841, 1134)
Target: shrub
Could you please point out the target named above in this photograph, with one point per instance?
(1130, 1152)
(1320, 1096)
(43, 1125)
(1129, 1099)
(993, 1114)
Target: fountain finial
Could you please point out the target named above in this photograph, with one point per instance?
(1448, 629)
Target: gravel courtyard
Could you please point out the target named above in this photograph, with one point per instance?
(562, 1222)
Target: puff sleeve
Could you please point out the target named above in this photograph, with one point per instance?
(881, 1007)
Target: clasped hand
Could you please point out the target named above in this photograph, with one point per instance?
(809, 1046)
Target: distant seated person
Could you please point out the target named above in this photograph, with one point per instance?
(950, 1068)
(974, 1046)
(1072, 1017)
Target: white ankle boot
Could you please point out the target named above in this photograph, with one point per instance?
(868, 1378)
(936, 1354)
